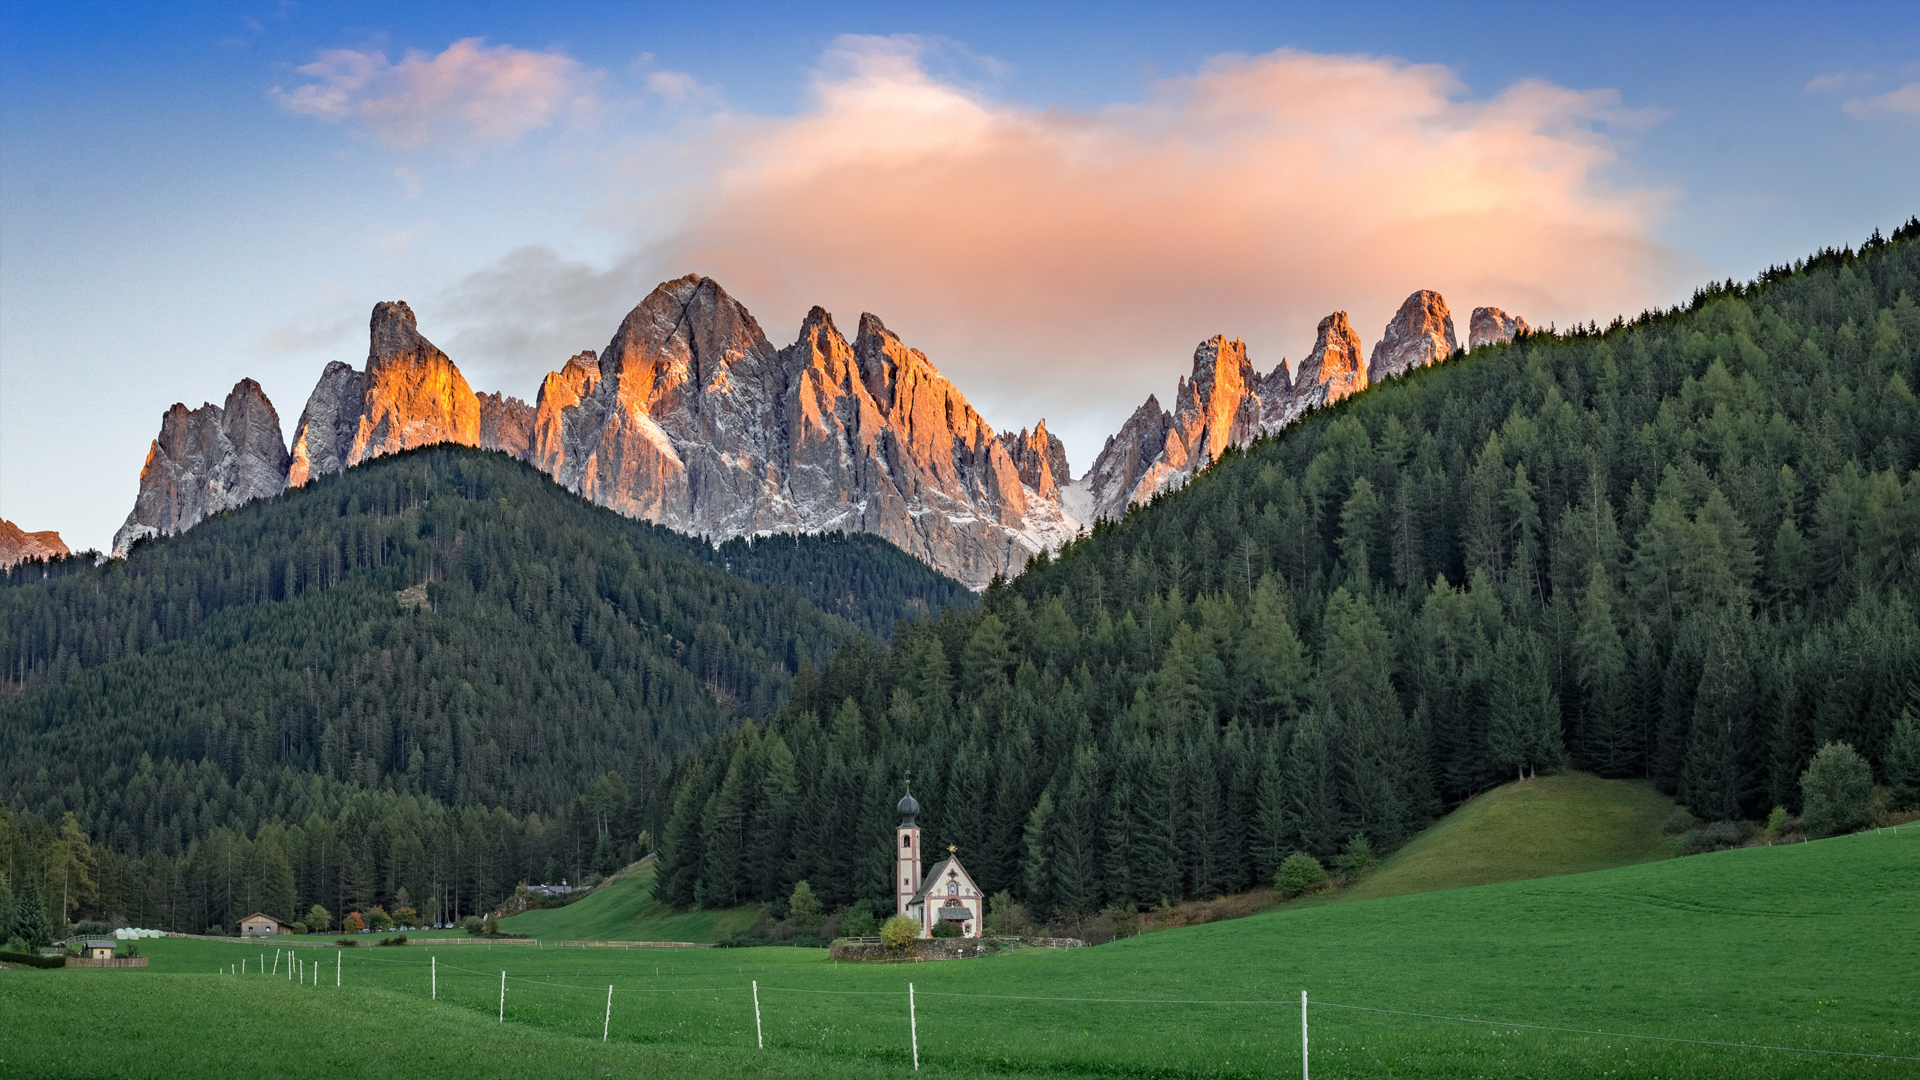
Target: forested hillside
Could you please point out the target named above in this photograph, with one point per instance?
(438, 671)
(1683, 547)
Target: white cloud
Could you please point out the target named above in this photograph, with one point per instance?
(466, 98)
(1902, 102)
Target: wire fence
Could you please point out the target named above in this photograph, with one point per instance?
(752, 990)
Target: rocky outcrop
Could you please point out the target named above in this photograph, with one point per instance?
(1420, 333)
(1222, 404)
(323, 439)
(1040, 458)
(1125, 470)
(1491, 326)
(207, 460)
(410, 395)
(692, 419)
(1330, 372)
(18, 545)
(506, 424)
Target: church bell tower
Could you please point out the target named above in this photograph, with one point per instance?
(906, 853)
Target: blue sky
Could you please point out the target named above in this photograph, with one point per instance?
(1020, 190)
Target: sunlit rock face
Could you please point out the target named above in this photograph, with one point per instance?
(1223, 403)
(207, 460)
(1491, 326)
(409, 395)
(1420, 333)
(692, 419)
(506, 424)
(1040, 457)
(1331, 372)
(17, 545)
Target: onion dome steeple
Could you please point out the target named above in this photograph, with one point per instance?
(908, 807)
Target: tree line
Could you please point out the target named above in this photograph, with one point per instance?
(1682, 548)
(387, 653)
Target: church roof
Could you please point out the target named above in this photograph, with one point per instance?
(937, 873)
(908, 807)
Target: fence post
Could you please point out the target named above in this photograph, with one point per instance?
(1303, 1035)
(276, 961)
(503, 997)
(759, 1033)
(913, 1026)
(607, 1025)
(336, 966)
(433, 965)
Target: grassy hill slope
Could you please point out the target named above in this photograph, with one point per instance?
(1799, 946)
(1563, 824)
(623, 909)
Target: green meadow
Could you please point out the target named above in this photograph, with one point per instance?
(1808, 946)
(623, 909)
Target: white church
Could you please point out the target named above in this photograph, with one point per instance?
(947, 892)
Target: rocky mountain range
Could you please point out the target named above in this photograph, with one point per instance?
(692, 418)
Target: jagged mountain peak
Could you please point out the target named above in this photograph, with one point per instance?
(206, 460)
(1491, 326)
(1420, 333)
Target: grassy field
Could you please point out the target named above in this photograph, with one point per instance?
(1568, 823)
(624, 909)
(1806, 946)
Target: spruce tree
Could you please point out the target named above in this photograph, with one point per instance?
(31, 922)
(1606, 738)
(1310, 784)
(1075, 834)
(1718, 780)
(1523, 723)
(1271, 833)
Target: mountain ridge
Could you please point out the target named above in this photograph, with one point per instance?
(690, 417)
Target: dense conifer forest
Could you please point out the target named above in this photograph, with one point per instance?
(437, 672)
(1682, 548)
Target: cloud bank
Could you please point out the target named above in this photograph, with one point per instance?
(469, 97)
(1065, 262)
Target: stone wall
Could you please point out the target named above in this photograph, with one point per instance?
(871, 949)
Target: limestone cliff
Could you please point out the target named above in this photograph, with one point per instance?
(1420, 333)
(506, 423)
(1223, 403)
(692, 419)
(18, 545)
(1491, 326)
(1330, 372)
(207, 460)
(1040, 457)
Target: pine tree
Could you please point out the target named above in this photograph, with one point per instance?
(1376, 772)
(1717, 781)
(1272, 665)
(1310, 783)
(1606, 738)
(1523, 722)
(1272, 833)
(1038, 865)
(1075, 833)
(31, 922)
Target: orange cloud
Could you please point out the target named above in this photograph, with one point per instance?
(467, 97)
(1065, 262)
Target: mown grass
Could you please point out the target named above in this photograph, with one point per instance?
(1568, 823)
(1808, 946)
(624, 909)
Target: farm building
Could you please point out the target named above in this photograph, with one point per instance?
(95, 948)
(260, 924)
